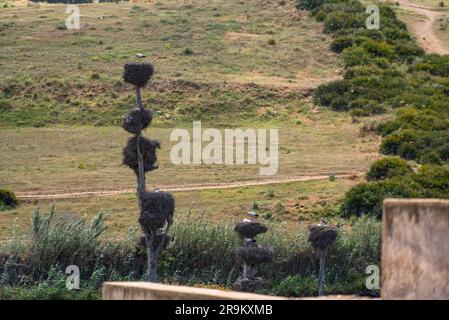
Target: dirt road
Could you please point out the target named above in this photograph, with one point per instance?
(424, 30)
(205, 186)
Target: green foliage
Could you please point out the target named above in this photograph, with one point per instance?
(434, 64)
(202, 253)
(388, 168)
(8, 199)
(338, 20)
(367, 198)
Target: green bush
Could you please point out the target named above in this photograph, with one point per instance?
(434, 64)
(345, 41)
(391, 143)
(364, 107)
(354, 56)
(378, 48)
(296, 286)
(367, 198)
(8, 199)
(388, 168)
(343, 20)
(435, 181)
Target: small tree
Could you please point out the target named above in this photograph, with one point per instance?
(140, 154)
(250, 255)
(322, 236)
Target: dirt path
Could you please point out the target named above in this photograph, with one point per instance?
(205, 186)
(424, 30)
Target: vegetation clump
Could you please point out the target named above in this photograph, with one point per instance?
(386, 70)
(8, 199)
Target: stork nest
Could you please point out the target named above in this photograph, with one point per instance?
(148, 150)
(137, 120)
(322, 236)
(249, 229)
(138, 74)
(157, 209)
(254, 254)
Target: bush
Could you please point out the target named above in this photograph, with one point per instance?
(345, 41)
(343, 20)
(354, 56)
(435, 181)
(434, 64)
(367, 198)
(364, 107)
(378, 48)
(388, 168)
(8, 199)
(391, 143)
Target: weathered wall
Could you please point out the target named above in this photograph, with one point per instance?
(155, 291)
(415, 249)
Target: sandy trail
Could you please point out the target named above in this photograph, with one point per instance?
(205, 186)
(424, 30)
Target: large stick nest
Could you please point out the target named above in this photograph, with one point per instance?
(148, 150)
(137, 120)
(254, 254)
(157, 209)
(138, 74)
(249, 229)
(322, 236)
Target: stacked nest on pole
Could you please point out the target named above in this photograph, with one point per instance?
(322, 236)
(148, 149)
(157, 210)
(250, 255)
(249, 229)
(138, 74)
(140, 155)
(137, 120)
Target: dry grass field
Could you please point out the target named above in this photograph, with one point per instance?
(248, 64)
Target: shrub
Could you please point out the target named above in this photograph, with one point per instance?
(343, 20)
(364, 107)
(345, 41)
(391, 143)
(7, 199)
(388, 168)
(435, 181)
(434, 64)
(354, 56)
(378, 48)
(367, 198)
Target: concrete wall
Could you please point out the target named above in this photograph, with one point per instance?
(155, 291)
(415, 249)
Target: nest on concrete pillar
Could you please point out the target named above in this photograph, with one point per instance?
(148, 148)
(250, 229)
(322, 236)
(254, 254)
(157, 209)
(138, 74)
(137, 120)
